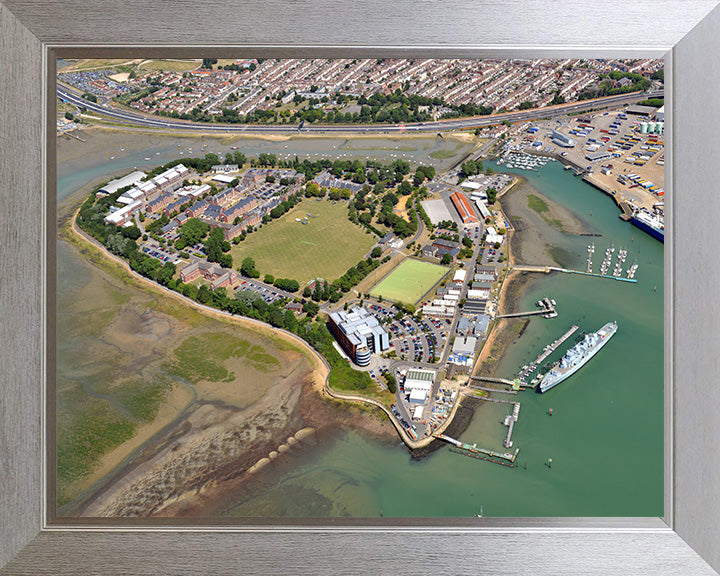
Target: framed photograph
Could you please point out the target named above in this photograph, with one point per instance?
(106, 375)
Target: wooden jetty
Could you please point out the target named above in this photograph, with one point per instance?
(474, 451)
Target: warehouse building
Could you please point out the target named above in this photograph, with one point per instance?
(638, 110)
(464, 208)
(597, 156)
(359, 333)
(418, 385)
(115, 185)
(562, 139)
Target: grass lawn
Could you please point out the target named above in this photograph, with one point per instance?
(409, 281)
(325, 247)
(94, 63)
(170, 65)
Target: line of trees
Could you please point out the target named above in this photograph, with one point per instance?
(121, 241)
(607, 85)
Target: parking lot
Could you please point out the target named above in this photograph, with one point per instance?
(492, 256)
(412, 339)
(95, 82)
(163, 254)
(265, 293)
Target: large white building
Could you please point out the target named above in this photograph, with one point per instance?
(419, 383)
(359, 333)
(129, 180)
(562, 139)
(492, 236)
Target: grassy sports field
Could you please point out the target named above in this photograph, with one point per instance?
(170, 65)
(409, 281)
(325, 247)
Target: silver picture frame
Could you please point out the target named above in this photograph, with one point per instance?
(683, 542)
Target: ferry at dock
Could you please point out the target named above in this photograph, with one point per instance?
(578, 356)
(652, 223)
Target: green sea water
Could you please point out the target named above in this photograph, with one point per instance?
(605, 437)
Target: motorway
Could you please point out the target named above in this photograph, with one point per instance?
(137, 119)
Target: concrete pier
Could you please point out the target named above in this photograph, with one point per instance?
(510, 423)
(610, 277)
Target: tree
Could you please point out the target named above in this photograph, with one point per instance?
(376, 252)
(446, 259)
(215, 245)
(239, 158)
(470, 168)
(404, 188)
(290, 321)
(132, 232)
(116, 243)
(69, 116)
(226, 261)
(191, 233)
(310, 308)
(391, 383)
(491, 195)
(269, 279)
(247, 268)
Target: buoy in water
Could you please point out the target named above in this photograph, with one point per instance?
(550, 411)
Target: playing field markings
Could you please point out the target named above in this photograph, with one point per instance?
(306, 242)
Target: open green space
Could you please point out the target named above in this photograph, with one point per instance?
(170, 65)
(326, 247)
(409, 281)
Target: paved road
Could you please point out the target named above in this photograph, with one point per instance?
(138, 119)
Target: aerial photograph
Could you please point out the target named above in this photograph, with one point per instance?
(359, 288)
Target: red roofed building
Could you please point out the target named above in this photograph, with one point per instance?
(462, 205)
